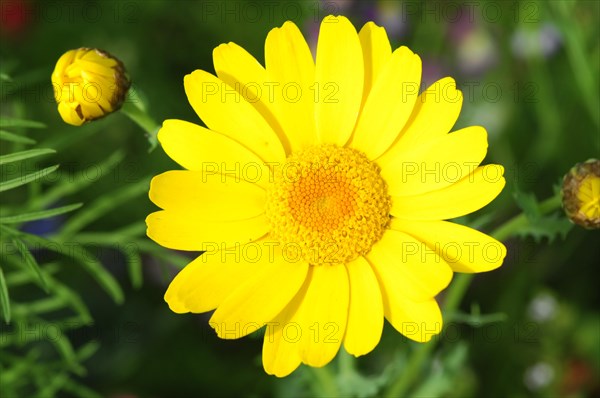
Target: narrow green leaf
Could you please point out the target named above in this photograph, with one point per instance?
(97, 270)
(50, 388)
(64, 140)
(10, 122)
(19, 139)
(73, 300)
(579, 56)
(73, 184)
(23, 277)
(70, 297)
(142, 245)
(38, 307)
(17, 182)
(4, 299)
(134, 266)
(30, 261)
(22, 155)
(39, 215)
(19, 368)
(103, 205)
(89, 262)
(87, 350)
(5, 77)
(64, 347)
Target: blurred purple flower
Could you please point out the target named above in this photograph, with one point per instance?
(477, 52)
(531, 42)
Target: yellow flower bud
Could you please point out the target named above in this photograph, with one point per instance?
(581, 194)
(88, 84)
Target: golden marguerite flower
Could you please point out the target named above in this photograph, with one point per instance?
(318, 191)
(88, 84)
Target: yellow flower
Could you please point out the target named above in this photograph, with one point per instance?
(581, 194)
(318, 192)
(88, 84)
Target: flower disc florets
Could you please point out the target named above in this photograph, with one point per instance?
(328, 202)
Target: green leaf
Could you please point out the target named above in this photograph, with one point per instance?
(547, 227)
(30, 261)
(64, 347)
(4, 299)
(103, 205)
(102, 276)
(528, 203)
(442, 379)
(10, 122)
(22, 277)
(11, 137)
(134, 266)
(87, 350)
(38, 307)
(39, 215)
(17, 156)
(70, 297)
(76, 183)
(17, 182)
(74, 301)
(5, 77)
(78, 253)
(89, 262)
(50, 388)
(540, 226)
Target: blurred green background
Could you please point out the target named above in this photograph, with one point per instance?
(529, 72)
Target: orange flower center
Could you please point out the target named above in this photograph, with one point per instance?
(329, 203)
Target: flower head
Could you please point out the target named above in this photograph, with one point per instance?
(88, 84)
(318, 192)
(581, 194)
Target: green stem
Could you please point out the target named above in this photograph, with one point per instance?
(326, 385)
(452, 301)
(513, 225)
(346, 362)
(134, 110)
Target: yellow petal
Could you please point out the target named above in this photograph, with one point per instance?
(436, 164)
(389, 104)
(291, 67)
(464, 197)
(259, 299)
(338, 80)
(365, 312)
(234, 65)
(376, 50)
(464, 249)
(184, 230)
(239, 69)
(409, 266)
(281, 345)
(419, 321)
(323, 314)
(223, 110)
(204, 283)
(213, 197)
(197, 148)
(68, 113)
(434, 114)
